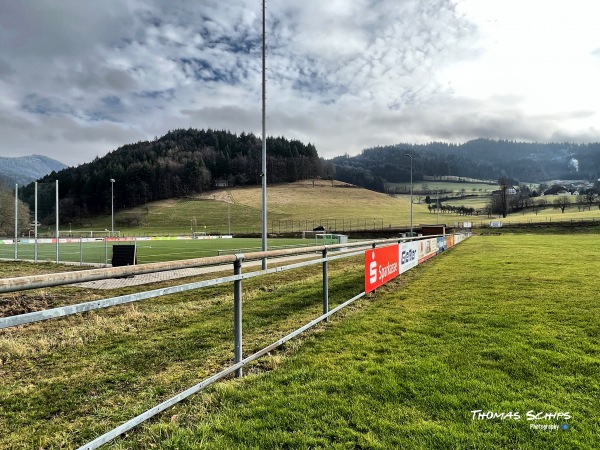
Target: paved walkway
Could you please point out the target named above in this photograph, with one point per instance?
(135, 280)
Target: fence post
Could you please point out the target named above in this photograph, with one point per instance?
(105, 252)
(80, 251)
(237, 313)
(325, 286)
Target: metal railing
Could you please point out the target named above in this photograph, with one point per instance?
(65, 278)
(233, 251)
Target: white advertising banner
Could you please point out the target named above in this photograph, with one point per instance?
(427, 249)
(409, 255)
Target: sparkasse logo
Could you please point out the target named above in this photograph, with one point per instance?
(373, 269)
(381, 265)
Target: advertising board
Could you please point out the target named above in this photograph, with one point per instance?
(409, 255)
(441, 244)
(427, 249)
(381, 265)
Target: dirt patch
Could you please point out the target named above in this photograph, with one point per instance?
(22, 304)
(167, 203)
(219, 196)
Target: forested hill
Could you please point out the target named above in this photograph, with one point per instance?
(480, 158)
(181, 163)
(25, 169)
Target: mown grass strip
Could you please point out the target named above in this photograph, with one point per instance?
(501, 324)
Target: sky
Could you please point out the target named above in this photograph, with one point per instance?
(80, 78)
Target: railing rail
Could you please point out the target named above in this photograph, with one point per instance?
(66, 278)
(62, 278)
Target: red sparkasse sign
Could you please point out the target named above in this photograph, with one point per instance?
(381, 265)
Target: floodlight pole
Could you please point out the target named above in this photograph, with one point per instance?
(16, 221)
(35, 226)
(112, 206)
(264, 142)
(411, 194)
(437, 205)
(57, 227)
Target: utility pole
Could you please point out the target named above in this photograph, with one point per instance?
(16, 221)
(411, 194)
(437, 205)
(112, 207)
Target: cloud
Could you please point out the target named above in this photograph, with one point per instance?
(78, 79)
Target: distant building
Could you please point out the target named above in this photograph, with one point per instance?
(221, 183)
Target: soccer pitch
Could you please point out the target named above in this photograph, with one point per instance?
(100, 252)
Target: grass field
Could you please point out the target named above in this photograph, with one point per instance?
(148, 251)
(499, 323)
(478, 202)
(446, 187)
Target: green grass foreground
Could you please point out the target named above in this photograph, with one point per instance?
(500, 323)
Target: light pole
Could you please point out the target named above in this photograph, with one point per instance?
(411, 194)
(264, 140)
(112, 206)
(437, 205)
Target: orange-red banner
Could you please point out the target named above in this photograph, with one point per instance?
(381, 265)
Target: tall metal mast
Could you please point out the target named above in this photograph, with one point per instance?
(264, 140)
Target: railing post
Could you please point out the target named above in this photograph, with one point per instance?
(325, 286)
(237, 313)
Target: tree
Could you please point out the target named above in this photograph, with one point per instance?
(182, 162)
(562, 203)
(503, 182)
(590, 196)
(7, 213)
(488, 209)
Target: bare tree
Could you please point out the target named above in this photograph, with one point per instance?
(488, 209)
(562, 203)
(503, 182)
(590, 197)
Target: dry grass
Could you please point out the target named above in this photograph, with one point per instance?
(302, 201)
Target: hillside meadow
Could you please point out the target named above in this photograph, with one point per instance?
(499, 324)
(239, 210)
(298, 206)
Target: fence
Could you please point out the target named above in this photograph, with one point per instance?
(425, 247)
(298, 226)
(257, 249)
(68, 250)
